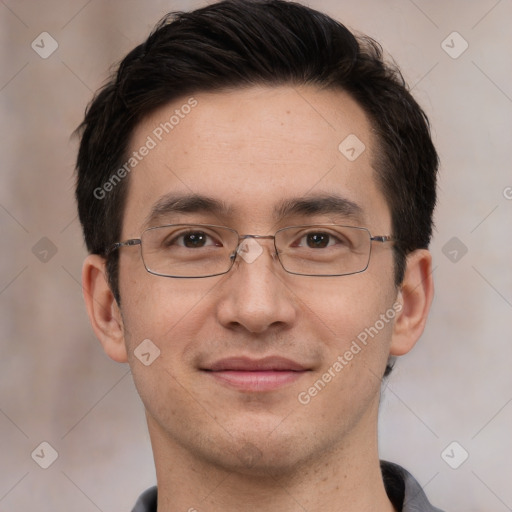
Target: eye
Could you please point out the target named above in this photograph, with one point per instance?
(320, 240)
(194, 240)
(317, 240)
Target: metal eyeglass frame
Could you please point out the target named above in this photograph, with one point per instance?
(241, 238)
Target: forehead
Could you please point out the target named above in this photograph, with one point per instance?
(254, 150)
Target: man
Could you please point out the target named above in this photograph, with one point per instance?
(256, 189)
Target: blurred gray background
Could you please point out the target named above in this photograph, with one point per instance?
(451, 398)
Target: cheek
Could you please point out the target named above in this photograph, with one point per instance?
(355, 322)
(356, 350)
(344, 306)
(167, 321)
(153, 304)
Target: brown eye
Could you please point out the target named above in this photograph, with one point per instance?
(317, 240)
(194, 239)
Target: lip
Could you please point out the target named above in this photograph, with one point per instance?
(247, 364)
(256, 375)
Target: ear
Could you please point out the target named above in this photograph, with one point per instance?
(415, 297)
(102, 308)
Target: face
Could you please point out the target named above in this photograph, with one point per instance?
(259, 369)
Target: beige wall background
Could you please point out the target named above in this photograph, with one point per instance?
(57, 386)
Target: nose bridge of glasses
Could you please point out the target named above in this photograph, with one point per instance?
(256, 236)
(250, 249)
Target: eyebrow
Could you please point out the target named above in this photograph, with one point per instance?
(305, 206)
(320, 204)
(189, 203)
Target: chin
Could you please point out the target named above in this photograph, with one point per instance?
(257, 460)
(261, 452)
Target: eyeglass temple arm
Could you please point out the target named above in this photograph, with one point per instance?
(383, 238)
(126, 243)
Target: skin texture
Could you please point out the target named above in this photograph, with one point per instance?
(216, 447)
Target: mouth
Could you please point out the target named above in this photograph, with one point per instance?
(256, 375)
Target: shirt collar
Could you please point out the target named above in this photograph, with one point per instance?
(404, 492)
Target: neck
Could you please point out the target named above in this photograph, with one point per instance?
(345, 477)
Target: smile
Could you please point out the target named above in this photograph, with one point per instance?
(253, 375)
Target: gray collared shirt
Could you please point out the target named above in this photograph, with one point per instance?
(403, 490)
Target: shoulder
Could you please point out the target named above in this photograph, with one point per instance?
(403, 489)
(147, 501)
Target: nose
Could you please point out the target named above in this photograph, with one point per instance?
(254, 296)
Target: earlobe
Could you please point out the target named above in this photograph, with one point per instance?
(415, 297)
(102, 308)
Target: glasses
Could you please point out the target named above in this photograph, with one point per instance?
(204, 250)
